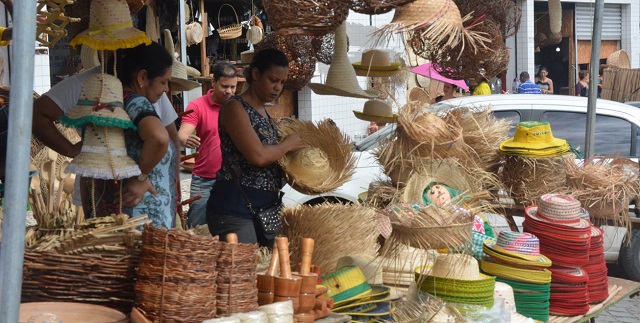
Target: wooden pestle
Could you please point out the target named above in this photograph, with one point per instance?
(321, 290)
(275, 261)
(283, 254)
(232, 238)
(307, 254)
(328, 300)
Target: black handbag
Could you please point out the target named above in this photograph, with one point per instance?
(268, 216)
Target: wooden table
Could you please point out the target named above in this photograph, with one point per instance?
(618, 289)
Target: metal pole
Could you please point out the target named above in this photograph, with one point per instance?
(19, 141)
(596, 40)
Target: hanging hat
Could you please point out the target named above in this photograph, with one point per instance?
(518, 245)
(179, 78)
(376, 63)
(110, 27)
(376, 111)
(341, 79)
(247, 56)
(88, 57)
(103, 155)
(534, 138)
(504, 292)
(100, 103)
(558, 209)
(325, 165)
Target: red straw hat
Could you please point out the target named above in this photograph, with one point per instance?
(558, 209)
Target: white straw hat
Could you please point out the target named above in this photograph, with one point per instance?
(88, 57)
(179, 77)
(341, 79)
(110, 27)
(377, 111)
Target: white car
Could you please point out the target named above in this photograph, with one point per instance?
(617, 131)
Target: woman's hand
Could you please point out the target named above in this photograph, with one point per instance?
(134, 190)
(192, 142)
(294, 142)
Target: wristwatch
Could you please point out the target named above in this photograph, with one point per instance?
(143, 177)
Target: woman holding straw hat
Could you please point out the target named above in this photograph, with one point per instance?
(250, 177)
(145, 72)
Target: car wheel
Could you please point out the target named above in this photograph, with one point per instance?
(629, 257)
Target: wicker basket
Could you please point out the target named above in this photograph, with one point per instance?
(230, 31)
(237, 290)
(306, 17)
(376, 7)
(299, 52)
(619, 59)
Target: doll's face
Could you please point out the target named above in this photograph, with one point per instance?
(438, 195)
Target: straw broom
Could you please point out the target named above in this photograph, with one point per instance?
(338, 230)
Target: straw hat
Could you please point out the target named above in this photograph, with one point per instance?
(444, 172)
(346, 284)
(179, 78)
(100, 103)
(370, 267)
(518, 245)
(558, 209)
(247, 56)
(376, 63)
(110, 27)
(88, 57)
(377, 111)
(103, 155)
(534, 138)
(456, 267)
(341, 79)
(504, 292)
(325, 165)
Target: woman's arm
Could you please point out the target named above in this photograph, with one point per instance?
(235, 121)
(550, 91)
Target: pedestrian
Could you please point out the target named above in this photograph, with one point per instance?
(250, 177)
(582, 87)
(526, 86)
(483, 87)
(204, 121)
(544, 82)
(448, 90)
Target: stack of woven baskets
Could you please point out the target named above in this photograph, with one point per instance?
(177, 276)
(237, 291)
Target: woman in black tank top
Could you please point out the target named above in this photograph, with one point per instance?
(545, 83)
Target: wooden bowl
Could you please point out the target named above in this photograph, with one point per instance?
(69, 313)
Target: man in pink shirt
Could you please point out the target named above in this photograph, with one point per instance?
(204, 120)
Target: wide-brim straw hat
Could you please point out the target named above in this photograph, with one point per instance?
(100, 103)
(440, 171)
(326, 164)
(110, 27)
(341, 78)
(558, 209)
(376, 63)
(370, 268)
(521, 245)
(179, 77)
(103, 155)
(456, 267)
(534, 138)
(377, 111)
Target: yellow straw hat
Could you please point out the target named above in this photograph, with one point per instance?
(341, 79)
(179, 77)
(377, 111)
(110, 27)
(534, 138)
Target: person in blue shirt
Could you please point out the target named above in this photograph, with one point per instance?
(526, 86)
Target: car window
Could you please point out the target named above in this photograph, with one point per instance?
(612, 134)
(513, 116)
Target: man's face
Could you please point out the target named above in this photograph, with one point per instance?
(224, 88)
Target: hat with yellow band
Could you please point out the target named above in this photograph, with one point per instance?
(522, 246)
(534, 138)
(346, 284)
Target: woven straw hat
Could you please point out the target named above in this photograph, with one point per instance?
(341, 79)
(377, 111)
(534, 138)
(370, 267)
(558, 209)
(376, 63)
(457, 267)
(103, 155)
(100, 103)
(179, 78)
(325, 165)
(524, 246)
(246, 56)
(443, 172)
(110, 27)
(505, 292)
(346, 284)
(88, 57)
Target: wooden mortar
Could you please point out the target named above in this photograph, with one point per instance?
(266, 282)
(287, 287)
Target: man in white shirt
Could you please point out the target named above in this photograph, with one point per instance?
(64, 96)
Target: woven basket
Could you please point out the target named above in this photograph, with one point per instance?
(505, 13)
(94, 279)
(177, 268)
(299, 52)
(237, 291)
(376, 7)
(619, 59)
(306, 17)
(230, 31)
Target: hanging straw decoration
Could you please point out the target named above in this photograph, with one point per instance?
(325, 165)
(505, 13)
(335, 234)
(604, 189)
(529, 178)
(299, 52)
(306, 17)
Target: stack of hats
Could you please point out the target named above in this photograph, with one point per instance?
(515, 259)
(598, 284)
(534, 139)
(503, 292)
(354, 296)
(564, 237)
(456, 278)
